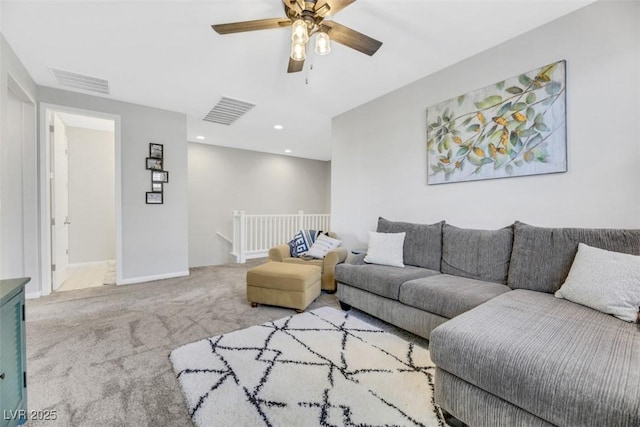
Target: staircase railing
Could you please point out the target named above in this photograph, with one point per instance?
(254, 234)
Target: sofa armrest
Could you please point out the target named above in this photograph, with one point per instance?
(357, 259)
(331, 259)
(335, 257)
(279, 253)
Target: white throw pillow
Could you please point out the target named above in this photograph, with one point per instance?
(385, 249)
(322, 246)
(605, 281)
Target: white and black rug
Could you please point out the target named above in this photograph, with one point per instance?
(322, 367)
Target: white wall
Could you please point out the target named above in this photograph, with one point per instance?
(379, 149)
(92, 232)
(222, 180)
(154, 237)
(18, 171)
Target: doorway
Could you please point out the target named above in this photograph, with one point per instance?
(82, 158)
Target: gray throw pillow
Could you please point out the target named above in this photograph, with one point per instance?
(605, 281)
(422, 243)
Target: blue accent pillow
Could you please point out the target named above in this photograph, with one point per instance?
(302, 241)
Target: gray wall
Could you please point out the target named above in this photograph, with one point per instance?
(379, 155)
(154, 237)
(19, 248)
(92, 209)
(222, 180)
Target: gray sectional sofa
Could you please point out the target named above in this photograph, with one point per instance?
(507, 351)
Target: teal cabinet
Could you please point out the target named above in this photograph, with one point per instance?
(13, 364)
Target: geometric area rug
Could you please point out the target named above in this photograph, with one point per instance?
(322, 367)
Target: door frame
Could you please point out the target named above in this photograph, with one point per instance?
(14, 85)
(45, 189)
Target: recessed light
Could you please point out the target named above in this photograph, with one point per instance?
(287, 151)
(278, 127)
(199, 137)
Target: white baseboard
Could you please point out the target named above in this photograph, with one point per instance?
(33, 295)
(152, 278)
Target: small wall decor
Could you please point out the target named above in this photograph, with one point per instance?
(512, 128)
(154, 164)
(155, 151)
(159, 177)
(154, 197)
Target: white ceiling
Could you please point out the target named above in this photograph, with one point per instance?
(86, 122)
(164, 54)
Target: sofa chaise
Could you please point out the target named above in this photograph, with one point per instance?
(507, 351)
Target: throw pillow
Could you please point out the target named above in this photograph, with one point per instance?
(422, 244)
(385, 249)
(322, 246)
(302, 241)
(605, 281)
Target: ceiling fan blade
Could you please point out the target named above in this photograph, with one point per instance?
(295, 66)
(260, 24)
(351, 38)
(331, 7)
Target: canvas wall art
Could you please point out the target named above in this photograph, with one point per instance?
(512, 128)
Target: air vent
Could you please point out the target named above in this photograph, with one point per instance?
(228, 110)
(80, 81)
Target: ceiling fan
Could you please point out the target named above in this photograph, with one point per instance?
(306, 19)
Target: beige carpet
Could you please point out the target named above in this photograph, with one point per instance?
(99, 356)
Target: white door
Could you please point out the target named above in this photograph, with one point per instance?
(59, 203)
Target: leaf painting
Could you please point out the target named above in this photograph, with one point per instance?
(512, 128)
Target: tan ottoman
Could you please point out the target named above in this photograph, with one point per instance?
(284, 285)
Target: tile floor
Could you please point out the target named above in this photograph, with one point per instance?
(88, 276)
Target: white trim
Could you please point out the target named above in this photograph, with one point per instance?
(32, 295)
(152, 278)
(119, 259)
(14, 85)
(257, 254)
(91, 263)
(219, 234)
(45, 196)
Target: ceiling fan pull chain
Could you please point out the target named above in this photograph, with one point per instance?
(306, 79)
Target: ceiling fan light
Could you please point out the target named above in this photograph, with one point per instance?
(298, 51)
(323, 44)
(299, 32)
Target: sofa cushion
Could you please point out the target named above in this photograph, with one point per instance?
(542, 257)
(566, 363)
(303, 261)
(477, 254)
(447, 295)
(422, 243)
(379, 279)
